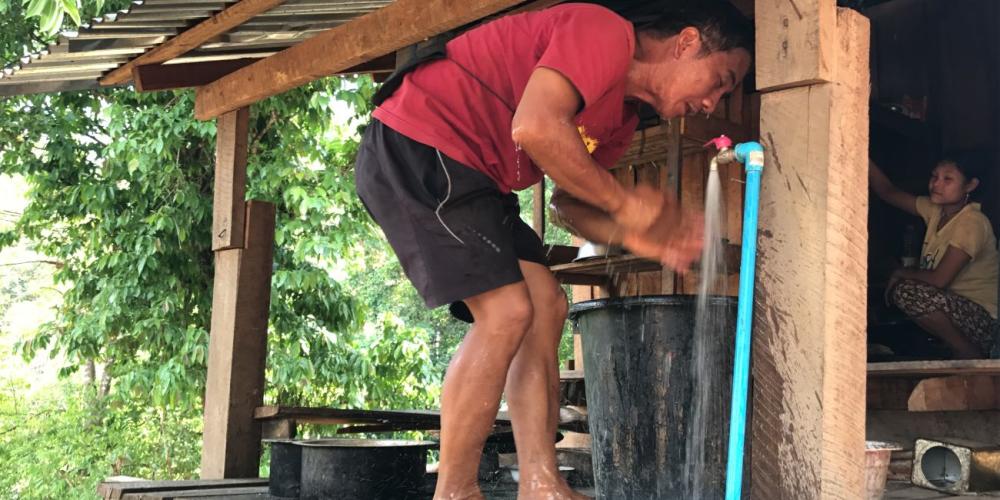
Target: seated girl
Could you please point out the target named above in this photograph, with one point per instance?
(953, 293)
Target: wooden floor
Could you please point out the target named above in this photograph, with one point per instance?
(897, 490)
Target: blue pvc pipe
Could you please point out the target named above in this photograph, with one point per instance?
(750, 154)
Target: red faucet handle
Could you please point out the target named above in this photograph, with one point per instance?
(720, 143)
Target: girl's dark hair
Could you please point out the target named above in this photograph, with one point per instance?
(722, 26)
(972, 164)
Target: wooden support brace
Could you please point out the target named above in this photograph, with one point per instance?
(795, 42)
(397, 25)
(237, 350)
(229, 205)
(808, 429)
(538, 209)
(151, 77)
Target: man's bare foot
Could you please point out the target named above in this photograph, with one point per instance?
(468, 493)
(536, 490)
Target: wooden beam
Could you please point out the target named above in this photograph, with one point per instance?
(229, 204)
(795, 42)
(808, 429)
(192, 38)
(955, 393)
(153, 77)
(932, 368)
(237, 350)
(397, 25)
(538, 209)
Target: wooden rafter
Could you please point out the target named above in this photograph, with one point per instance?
(375, 34)
(192, 38)
(152, 77)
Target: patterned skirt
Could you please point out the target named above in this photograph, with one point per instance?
(916, 298)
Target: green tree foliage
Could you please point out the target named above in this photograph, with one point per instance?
(121, 195)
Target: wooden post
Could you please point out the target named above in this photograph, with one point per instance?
(538, 208)
(230, 179)
(808, 426)
(237, 350)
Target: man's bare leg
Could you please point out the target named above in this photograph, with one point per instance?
(533, 390)
(473, 384)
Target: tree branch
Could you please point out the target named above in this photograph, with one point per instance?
(40, 261)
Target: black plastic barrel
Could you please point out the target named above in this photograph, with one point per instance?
(363, 469)
(641, 397)
(286, 468)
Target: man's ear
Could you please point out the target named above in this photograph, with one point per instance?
(688, 41)
(974, 183)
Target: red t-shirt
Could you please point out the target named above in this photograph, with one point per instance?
(444, 106)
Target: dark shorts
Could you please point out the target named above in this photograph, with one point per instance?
(454, 232)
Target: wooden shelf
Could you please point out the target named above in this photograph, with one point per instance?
(934, 368)
(598, 271)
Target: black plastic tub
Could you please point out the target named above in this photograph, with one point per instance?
(363, 469)
(641, 397)
(286, 468)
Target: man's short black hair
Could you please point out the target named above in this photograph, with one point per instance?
(722, 26)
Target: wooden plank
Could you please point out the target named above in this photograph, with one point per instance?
(428, 418)
(286, 428)
(692, 197)
(932, 368)
(670, 183)
(955, 393)
(538, 209)
(237, 350)
(114, 490)
(808, 428)
(349, 44)
(152, 77)
(229, 202)
(796, 42)
(192, 38)
(247, 492)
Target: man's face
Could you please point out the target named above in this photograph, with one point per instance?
(690, 82)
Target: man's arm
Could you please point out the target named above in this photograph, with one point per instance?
(651, 224)
(544, 126)
(581, 219)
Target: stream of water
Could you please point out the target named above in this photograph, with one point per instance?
(706, 359)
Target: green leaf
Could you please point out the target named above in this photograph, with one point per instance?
(74, 12)
(36, 7)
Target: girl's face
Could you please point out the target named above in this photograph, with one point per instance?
(948, 186)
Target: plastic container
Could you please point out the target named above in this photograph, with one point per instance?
(363, 469)
(877, 457)
(640, 395)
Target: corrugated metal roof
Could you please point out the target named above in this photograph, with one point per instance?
(78, 59)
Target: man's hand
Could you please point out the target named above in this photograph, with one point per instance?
(654, 227)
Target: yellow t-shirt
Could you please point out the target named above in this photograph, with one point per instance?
(971, 232)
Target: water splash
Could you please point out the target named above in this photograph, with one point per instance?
(706, 356)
